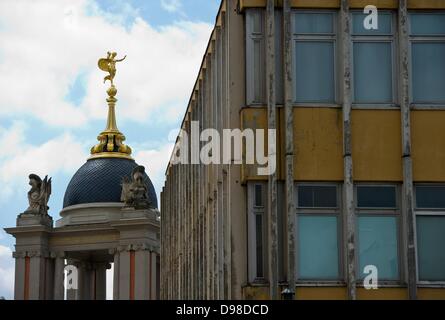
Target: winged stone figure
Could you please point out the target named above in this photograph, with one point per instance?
(39, 194)
(108, 64)
(134, 192)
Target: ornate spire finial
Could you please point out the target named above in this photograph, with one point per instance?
(111, 139)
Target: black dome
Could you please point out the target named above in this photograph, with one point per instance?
(99, 180)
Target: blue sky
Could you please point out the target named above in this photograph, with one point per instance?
(52, 104)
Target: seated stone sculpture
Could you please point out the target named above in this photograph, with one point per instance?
(135, 192)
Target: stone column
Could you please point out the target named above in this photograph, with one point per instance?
(99, 279)
(59, 275)
(21, 277)
(135, 273)
(33, 271)
(72, 292)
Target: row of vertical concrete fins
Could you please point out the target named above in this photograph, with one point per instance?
(196, 244)
(204, 212)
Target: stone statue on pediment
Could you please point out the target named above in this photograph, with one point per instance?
(134, 191)
(38, 196)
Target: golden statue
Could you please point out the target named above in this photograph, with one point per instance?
(108, 64)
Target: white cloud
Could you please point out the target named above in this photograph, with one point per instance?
(6, 273)
(171, 5)
(60, 154)
(42, 54)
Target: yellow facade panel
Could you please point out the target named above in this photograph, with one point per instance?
(376, 145)
(380, 4)
(431, 293)
(318, 145)
(321, 293)
(243, 4)
(426, 4)
(428, 145)
(382, 294)
(253, 118)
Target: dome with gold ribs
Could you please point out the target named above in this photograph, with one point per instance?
(99, 180)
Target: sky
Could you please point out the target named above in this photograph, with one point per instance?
(52, 96)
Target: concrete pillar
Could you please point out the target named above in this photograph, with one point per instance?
(272, 124)
(99, 279)
(348, 187)
(408, 189)
(289, 141)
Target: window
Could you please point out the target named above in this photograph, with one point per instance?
(427, 37)
(377, 230)
(256, 219)
(256, 57)
(430, 232)
(314, 36)
(318, 232)
(373, 60)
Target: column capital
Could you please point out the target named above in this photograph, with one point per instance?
(18, 255)
(136, 247)
(57, 254)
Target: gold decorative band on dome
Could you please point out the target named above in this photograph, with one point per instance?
(111, 140)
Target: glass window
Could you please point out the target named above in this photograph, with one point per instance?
(314, 57)
(427, 24)
(256, 221)
(255, 53)
(259, 245)
(317, 247)
(314, 69)
(430, 197)
(373, 70)
(428, 72)
(376, 196)
(258, 195)
(427, 52)
(317, 196)
(377, 230)
(378, 246)
(311, 22)
(384, 24)
(430, 247)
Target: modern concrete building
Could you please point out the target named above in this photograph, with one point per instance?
(360, 146)
(109, 216)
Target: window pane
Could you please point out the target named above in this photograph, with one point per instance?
(258, 195)
(378, 246)
(317, 247)
(427, 24)
(384, 24)
(430, 247)
(428, 72)
(258, 71)
(314, 70)
(430, 197)
(376, 196)
(317, 196)
(313, 23)
(259, 245)
(373, 72)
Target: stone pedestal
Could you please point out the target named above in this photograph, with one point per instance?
(33, 264)
(135, 258)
